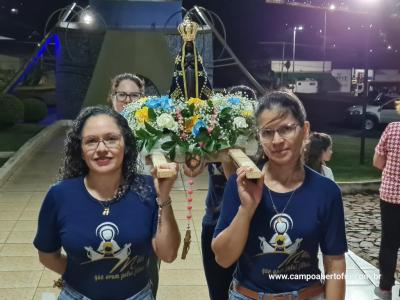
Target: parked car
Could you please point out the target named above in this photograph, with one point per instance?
(382, 110)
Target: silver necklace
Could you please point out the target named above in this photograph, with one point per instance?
(273, 204)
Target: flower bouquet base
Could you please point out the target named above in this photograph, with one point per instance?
(238, 156)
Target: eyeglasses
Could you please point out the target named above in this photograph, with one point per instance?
(91, 143)
(285, 132)
(122, 96)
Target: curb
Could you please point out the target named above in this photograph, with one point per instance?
(28, 149)
(356, 187)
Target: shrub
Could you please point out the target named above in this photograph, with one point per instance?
(34, 110)
(11, 110)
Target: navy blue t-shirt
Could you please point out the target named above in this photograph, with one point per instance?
(216, 185)
(287, 243)
(107, 256)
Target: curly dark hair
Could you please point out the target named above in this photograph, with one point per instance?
(73, 164)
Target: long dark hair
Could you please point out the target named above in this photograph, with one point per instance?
(73, 164)
(318, 143)
(285, 102)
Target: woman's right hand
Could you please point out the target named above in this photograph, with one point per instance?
(250, 191)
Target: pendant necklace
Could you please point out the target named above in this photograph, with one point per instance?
(273, 204)
(107, 203)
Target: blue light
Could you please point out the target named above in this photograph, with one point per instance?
(39, 53)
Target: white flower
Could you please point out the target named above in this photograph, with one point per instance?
(167, 121)
(240, 122)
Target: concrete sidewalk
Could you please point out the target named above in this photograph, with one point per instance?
(23, 277)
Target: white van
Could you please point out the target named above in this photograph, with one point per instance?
(307, 86)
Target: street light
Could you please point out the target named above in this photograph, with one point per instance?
(299, 28)
(331, 7)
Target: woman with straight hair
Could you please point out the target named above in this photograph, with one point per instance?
(273, 227)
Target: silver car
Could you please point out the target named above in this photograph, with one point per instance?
(382, 110)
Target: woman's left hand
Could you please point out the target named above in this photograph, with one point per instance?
(164, 185)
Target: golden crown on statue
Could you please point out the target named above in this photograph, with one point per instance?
(188, 30)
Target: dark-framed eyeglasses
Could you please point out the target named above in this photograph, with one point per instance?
(123, 97)
(111, 141)
(285, 132)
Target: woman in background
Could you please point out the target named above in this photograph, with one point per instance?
(125, 88)
(318, 151)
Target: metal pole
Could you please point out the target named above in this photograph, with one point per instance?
(365, 99)
(324, 45)
(294, 47)
(258, 86)
(283, 61)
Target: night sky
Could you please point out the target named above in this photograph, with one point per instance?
(249, 22)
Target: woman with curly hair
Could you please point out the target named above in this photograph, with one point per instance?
(106, 216)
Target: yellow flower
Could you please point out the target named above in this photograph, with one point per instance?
(142, 115)
(196, 102)
(189, 123)
(247, 113)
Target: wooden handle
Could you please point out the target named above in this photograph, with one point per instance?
(158, 159)
(242, 160)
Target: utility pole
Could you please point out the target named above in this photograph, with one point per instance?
(365, 97)
(324, 43)
(283, 61)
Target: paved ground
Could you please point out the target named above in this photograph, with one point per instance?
(363, 227)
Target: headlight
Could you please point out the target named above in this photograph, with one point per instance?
(355, 112)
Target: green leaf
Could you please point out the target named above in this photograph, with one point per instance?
(191, 109)
(210, 146)
(215, 134)
(152, 114)
(152, 130)
(203, 136)
(172, 154)
(168, 145)
(142, 134)
(140, 145)
(150, 143)
(184, 146)
(185, 113)
(232, 139)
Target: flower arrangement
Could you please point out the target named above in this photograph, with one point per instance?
(194, 127)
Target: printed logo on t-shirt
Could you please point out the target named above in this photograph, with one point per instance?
(108, 248)
(280, 242)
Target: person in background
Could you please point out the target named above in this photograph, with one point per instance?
(218, 278)
(274, 226)
(108, 218)
(387, 159)
(125, 88)
(317, 152)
